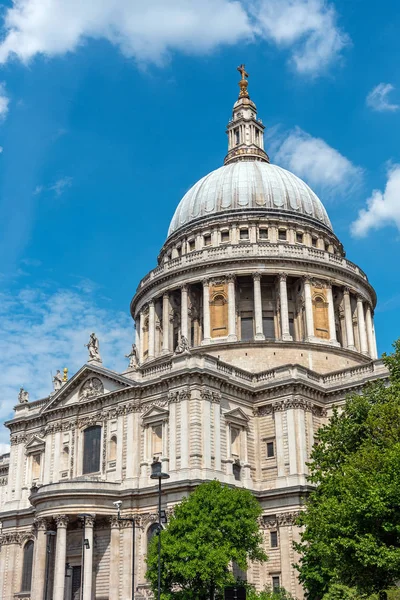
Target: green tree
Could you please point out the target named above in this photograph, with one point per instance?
(352, 519)
(268, 594)
(215, 526)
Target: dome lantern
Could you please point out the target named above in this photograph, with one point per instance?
(245, 131)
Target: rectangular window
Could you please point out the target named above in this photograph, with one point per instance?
(270, 449)
(36, 466)
(276, 583)
(192, 245)
(269, 327)
(237, 137)
(263, 233)
(207, 240)
(156, 431)
(299, 237)
(274, 539)
(291, 326)
(282, 235)
(235, 441)
(224, 236)
(246, 324)
(91, 449)
(244, 234)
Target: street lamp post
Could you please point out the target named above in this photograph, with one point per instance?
(49, 534)
(118, 505)
(156, 473)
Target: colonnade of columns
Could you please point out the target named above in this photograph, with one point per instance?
(42, 562)
(366, 334)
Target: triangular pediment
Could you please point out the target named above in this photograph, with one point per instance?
(237, 416)
(91, 381)
(155, 414)
(35, 444)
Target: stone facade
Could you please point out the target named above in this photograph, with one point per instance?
(252, 327)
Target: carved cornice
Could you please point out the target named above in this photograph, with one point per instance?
(179, 395)
(210, 395)
(293, 403)
(279, 520)
(15, 537)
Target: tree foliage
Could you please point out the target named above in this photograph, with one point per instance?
(352, 519)
(212, 528)
(268, 594)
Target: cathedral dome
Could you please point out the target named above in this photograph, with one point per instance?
(249, 186)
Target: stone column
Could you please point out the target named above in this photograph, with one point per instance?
(39, 561)
(88, 563)
(152, 329)
(348, 319)
(206, 312)
(309, 311)
(127, 543)
(370, 333)
(185, 429)
(217, 435)
(331, 315)
(141, 337)
(361, 326)
(61, 553)
(231, 309)
(259, 334)
(165, 323)
(285, 331)
(114, 559)
(137, 335)
(184, 311)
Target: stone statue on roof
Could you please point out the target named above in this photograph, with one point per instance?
(133, 358)
(23, 396)
(93, 348)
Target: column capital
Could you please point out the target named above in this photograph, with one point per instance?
(346, 290)
(231, 277)
(206, 281)
(282, 276)
(184, 287)
(40, 523)
(256, 276)
(166, 296)
(307, 279)
(151, 303)
(61, 521)
(88, 520)
(360, 298)
(114, 522)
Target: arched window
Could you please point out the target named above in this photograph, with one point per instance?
(27, 567)
(151, 532)
(91, 449)
(219, 316)
(113, 448)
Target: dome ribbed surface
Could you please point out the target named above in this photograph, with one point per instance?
(248, 186)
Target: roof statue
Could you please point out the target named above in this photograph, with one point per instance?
(65, 376)
(57, 381)
(183, 345)
(243, 83)
(23, 396)
(133, 358)
(93, 348)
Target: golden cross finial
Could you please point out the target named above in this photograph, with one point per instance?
(243, 83)
(65, 378)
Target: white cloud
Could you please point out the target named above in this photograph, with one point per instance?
(149, 31)
(4, 102)
(307, 26)
(1, 149)
(43, 330)
(318, 163)
(377, 99)
(383, 208)
(58, 187)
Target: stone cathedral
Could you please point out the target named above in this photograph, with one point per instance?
(251, 327)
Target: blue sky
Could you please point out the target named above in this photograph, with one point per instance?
(111, 110)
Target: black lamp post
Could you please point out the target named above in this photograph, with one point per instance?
(118, 505)
(49, 534)
(156, 473)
